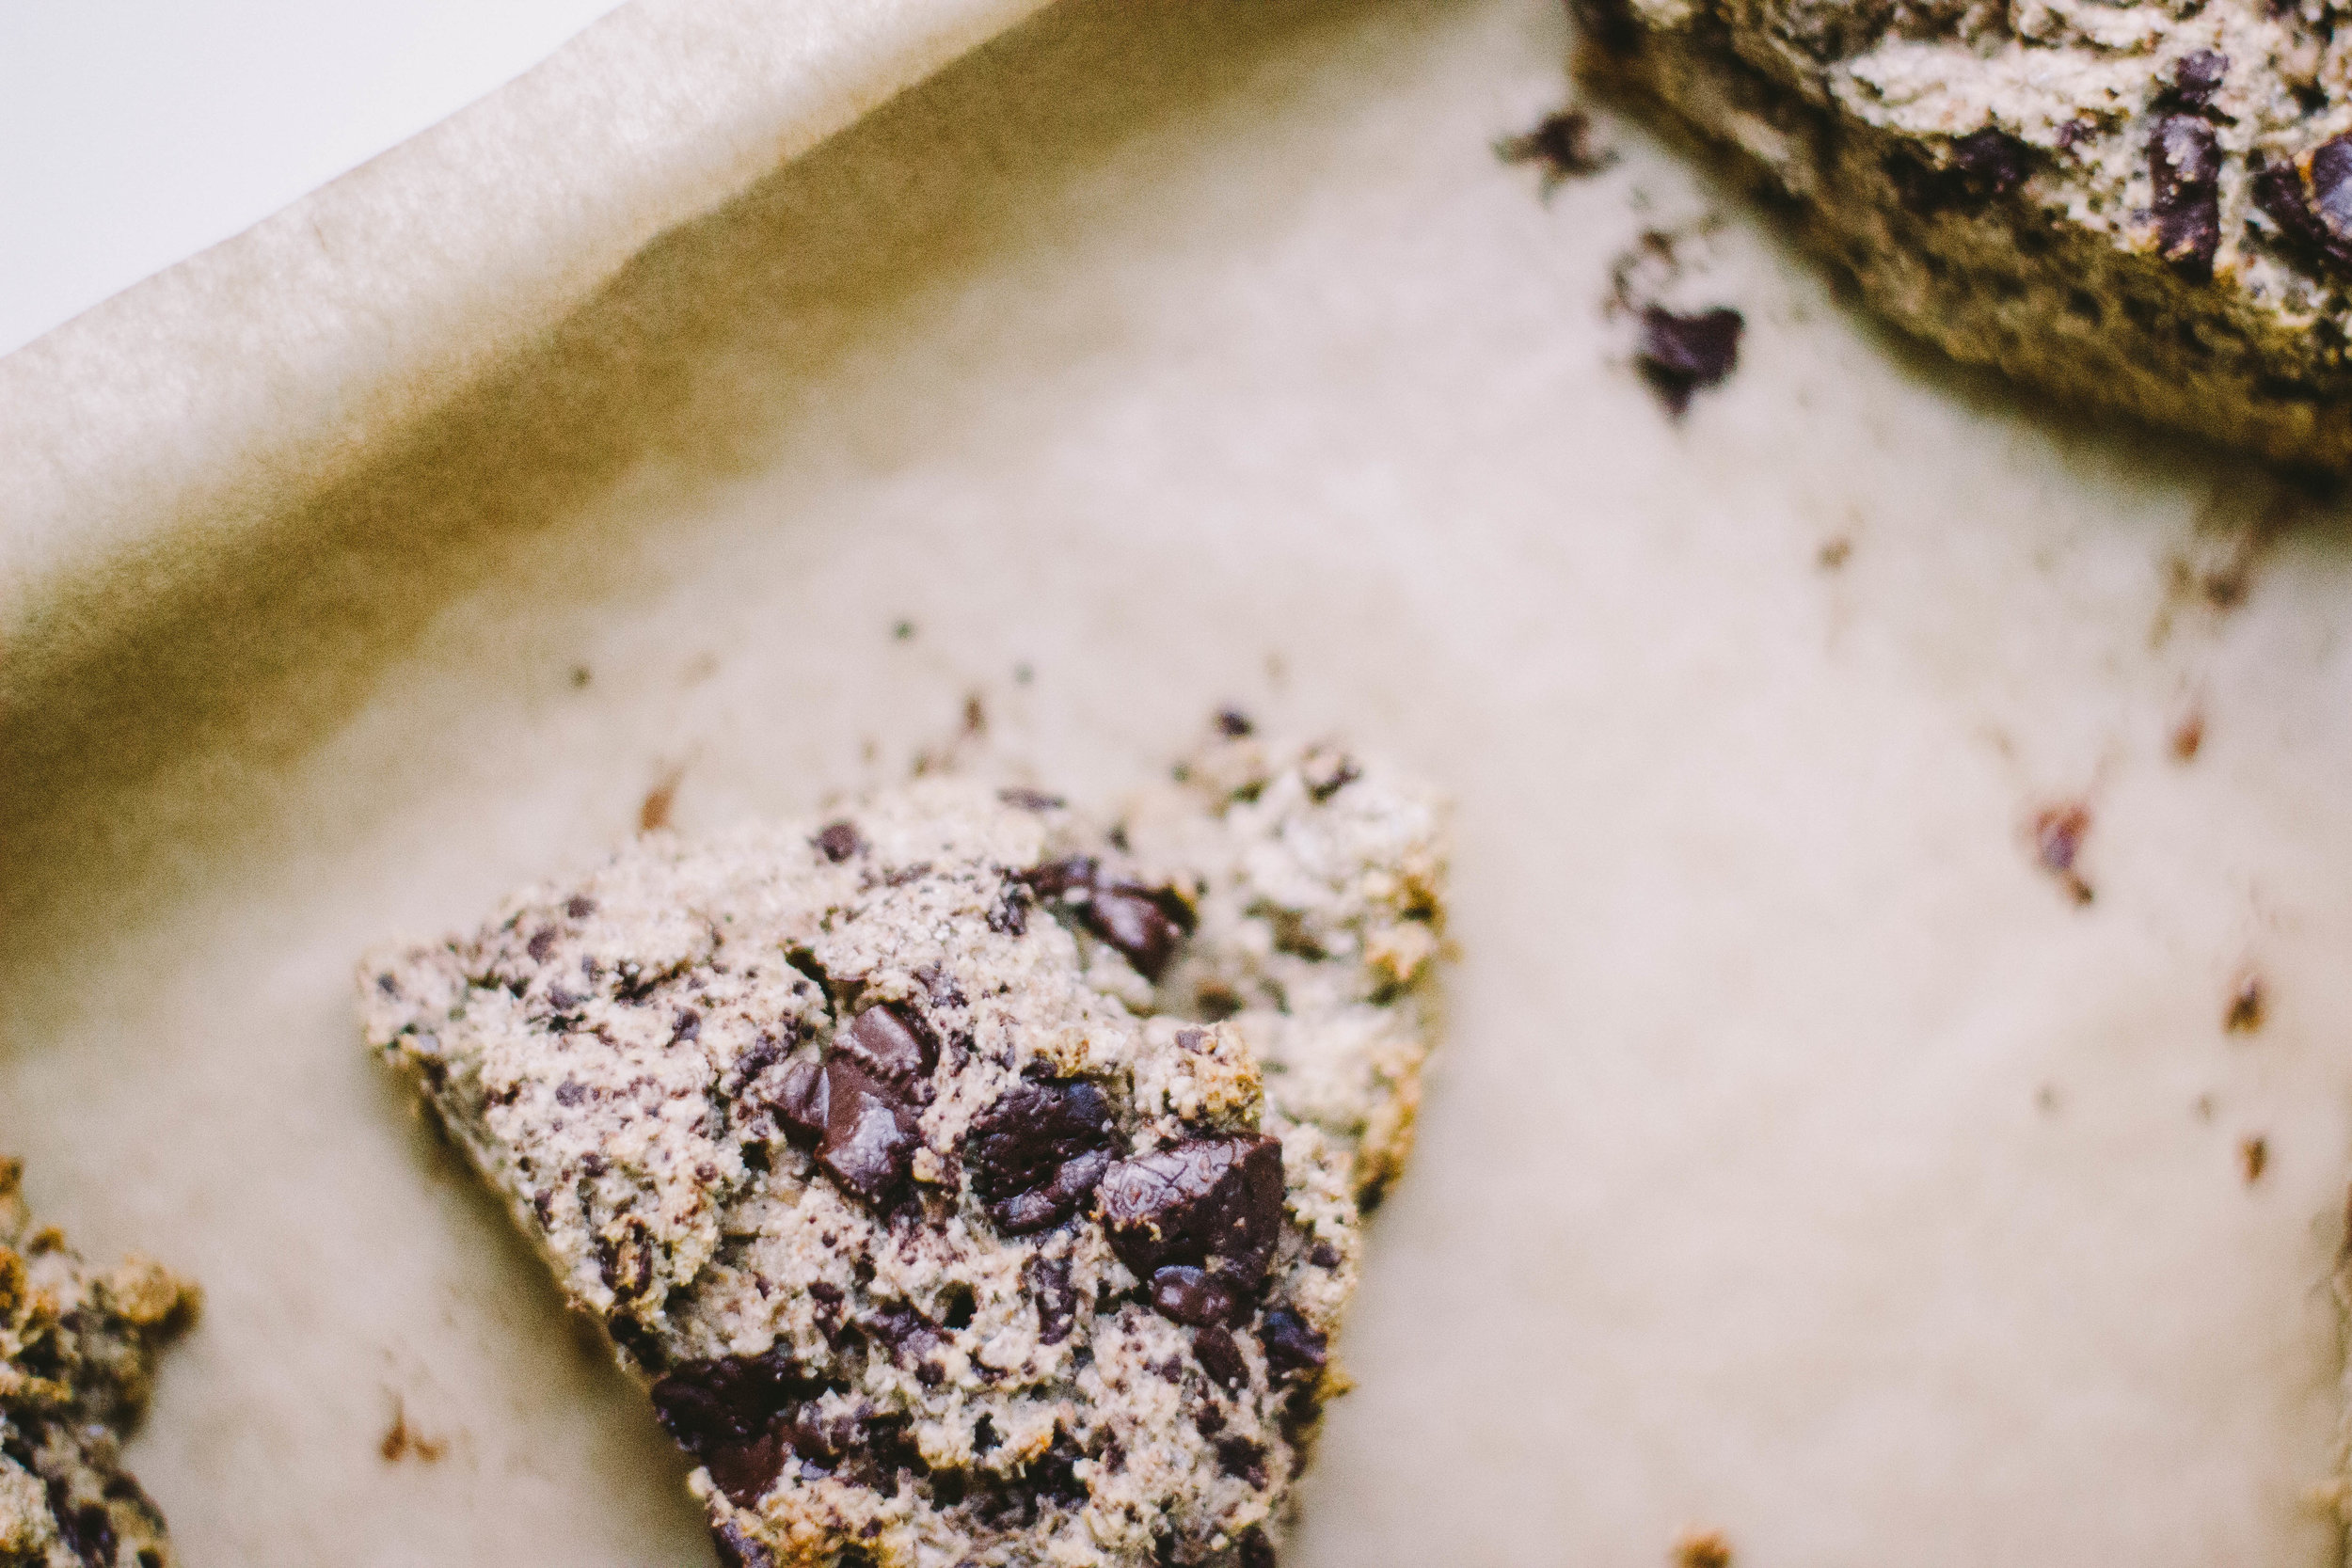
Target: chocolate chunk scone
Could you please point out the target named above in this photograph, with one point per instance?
(970, 1184)
(2144, 204)
(76, 1353)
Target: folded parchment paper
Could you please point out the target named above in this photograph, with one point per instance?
(1808, 1161)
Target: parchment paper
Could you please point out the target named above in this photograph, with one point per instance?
(1806, 1162)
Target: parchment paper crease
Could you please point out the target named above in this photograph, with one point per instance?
(1807, 1162)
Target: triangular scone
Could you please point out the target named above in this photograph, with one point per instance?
(919, 1159)
(76, 1351)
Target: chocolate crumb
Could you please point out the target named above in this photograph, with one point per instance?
(2057, 839)
(2248, 1004)
(2184, 168)
(2253, 1158)
(2195, 77)
(402, 1441)
(1698, 1548)
(2189, 736)
(1680, 355)
(1561, 143)
(654, 813)
(1232, 723)
(975, 714)
(838, 840)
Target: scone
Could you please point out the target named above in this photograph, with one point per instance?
(77, 1348)
(970, 1184)
(2145, 206)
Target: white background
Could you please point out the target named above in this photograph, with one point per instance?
(134, 133)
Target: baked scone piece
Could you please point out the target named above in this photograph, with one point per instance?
(77, 1348)
(2144, 204)
(971, 1184)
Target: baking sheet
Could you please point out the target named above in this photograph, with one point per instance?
(1806, 1161)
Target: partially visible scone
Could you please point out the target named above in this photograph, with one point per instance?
(76, 1353)
(972, 1182)
(2143, 204)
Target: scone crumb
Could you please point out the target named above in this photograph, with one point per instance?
(1701, 1548)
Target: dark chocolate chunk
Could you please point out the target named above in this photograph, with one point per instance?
(2332, 187)
(570, 1092)
(625, 1257)
(2278, 191)
(737, 1550)
(870, 1133)
(730, 1398)
(1680, 355)
(887, 1044)
(542, 942)
(1030, 799)
(1989, 163)
(2184, 167)
(1038, 1152)
(1292, 1345)
(1208, 1199)
(1133, 921)
(744, 1471)
(838, 840)
(1256, 1550)
(1220, 1357)
(1054, 1473)
(1193, 1295)
(1056, 1298)
(1060, 879)
(799, 1103)
(2195, 77)
(1242, 1458)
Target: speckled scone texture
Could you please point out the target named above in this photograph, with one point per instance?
(76, 1351)
(974, 1184)
(2144, 205)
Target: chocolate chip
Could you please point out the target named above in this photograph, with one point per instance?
(1054, 1473)
(1208, 1199)
(581, 906)
(626, 1259)
(2184, 167)
(2278, 191)
(731, 1401)
(838, 840)
(542, 942)
(1242, 1458)
(887, 1044)
(1680, 355)
(1060, 879)
(686, 1026)
(570, 1092)
(1030, 799)
(1256, 1550)
(1193, 1295)
(1056, 1298)
(870, 1133)
(745, 1471)
(2332, 187)
(1220, 1357)
(1039, 1151)
(737, 1550)
(1989, 163)
(1131, 921)
(2195, 77)
(1325, 1256)
(1292, 1345)
(799, 1103)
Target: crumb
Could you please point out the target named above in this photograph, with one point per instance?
(1680, 355)
(2248, 1003)
(2057, 839)
(579, 675)
(975, 714)
(2202, 1107)
(654, 813)
(903, 631)
(1232, 723)
(2189, 736)
(1834, 553)
(1562, 142)
(1697, 1548)
(2253, 1158)
(400, 1440)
